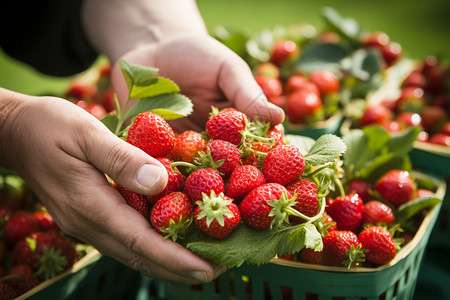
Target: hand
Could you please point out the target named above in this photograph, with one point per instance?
(208, 73)
(62, 153)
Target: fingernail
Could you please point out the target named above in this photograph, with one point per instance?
(148, 175)
(198, 275)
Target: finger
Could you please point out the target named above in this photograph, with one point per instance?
(239, 86)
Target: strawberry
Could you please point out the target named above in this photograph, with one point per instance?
(391, 53)
(283, 164)
(433, 117)
(95, 109)
(26, 281)
(266, 69)
(133, 199)
(325, 80)
(172, 214)
(186, 146)
(299, 82)
(342, 247)
(396, 186)
(310, 256)
(375, 114)
(242, 181)
(376, 212)
(255, 156)
(411, 99)
(409, 119)
(277, 133)
(303, 106)
(379, 243)
(283, 50)
(217, 215)
(66, 248)
(220, 155)
(227, 125)
(375, 39)
(44, 219)
(346, 211)
(267, 206)
(270, 86)
(440, 139)
(175, 181)
(416, 79)
(203, 180)
(7, 292)
(151, 133)
(18, 226)
(360, 187)
(421, 193)
(307, 200)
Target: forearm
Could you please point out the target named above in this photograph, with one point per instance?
(115, 27)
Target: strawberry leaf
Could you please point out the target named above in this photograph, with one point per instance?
(254, 246)
(411, 208)
(110, 121)
(325, 149)
(347, 27)
(304, 143)
(168, 106)
(321, 56)
(136, 74)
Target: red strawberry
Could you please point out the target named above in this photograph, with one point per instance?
(217, 215)
(27, 280)
(303, 106)
(18, 226)
(242, 181)
(172, 214)
(277, 133)
(283, 50)
(325, 80)
(220, 155)
(267, 69)
(175, 181)
(396, 186)
(346, 211)
(283, 164)
(376, 212)
(307, 200)
(440, 139)
(257, 206)
(133, 199)
(44, 219)
(203, 180)
(409, 119)
(421, 193)
(360, 187)
(186, 146)
(310, 256)
(392, 52)
(226, 125)
(297, 82)
(379, 243)
(433, 117)
(7, 292)
(66, 248)
(410, 100)
(151, 133)
(256, 155)
(270, 86)
(375, 114)
(342, 248)
(375, 39)
(95, 109)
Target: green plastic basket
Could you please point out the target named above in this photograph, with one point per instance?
(433, 158)
(331, 126)
(94, 277)
(284, 279)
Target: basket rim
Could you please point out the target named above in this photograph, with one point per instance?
(402, 254)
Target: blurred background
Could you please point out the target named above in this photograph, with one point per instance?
(420, 27)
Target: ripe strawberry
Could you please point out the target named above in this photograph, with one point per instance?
(7, 292)
(27, 280)
(376, 212)
(303, 106)
(297, 82)
(256, 155)
(95, 109)
(433, 117)
(186, 146)
(151, 133)
(307, 201)
(257, 207)
(446, 128)
(421, 193)
(346, 211)
(411, 99)
(242, 181)
(220, 155)
(379, 243)
(325, 80)
(18, 226)
(409, 119)
(416, 79)
(175, 181)
(203, 180)
(375, 39)
(309, 256)
(277, 133)
(341, 247)
(440, 139)
(266, 69)
(44, 219)
(217, 215)
(283, 164)
(227, 125)
(66, 248)
(270, 86)
(360, 187)
(375, 114)
(172, 214)
(396, 186)
(283, 50)
(391, 53)
(133, 199)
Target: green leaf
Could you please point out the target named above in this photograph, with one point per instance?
(136, 74)
(321, 56)
(363, 64)
(403, 142)
(254, 246)
(304, 143)
(409, 209)
(325, 149)
(110, 121)
(382, 163)
(347, 27)
(153, 87)
(168, 106)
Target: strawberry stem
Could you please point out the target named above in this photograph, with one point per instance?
(184, 164)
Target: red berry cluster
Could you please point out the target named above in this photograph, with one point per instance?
(32, 247)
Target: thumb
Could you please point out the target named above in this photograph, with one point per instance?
(126, 164)
(239, 86)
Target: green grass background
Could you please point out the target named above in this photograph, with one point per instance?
(421, 27)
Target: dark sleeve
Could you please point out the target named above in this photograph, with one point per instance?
(46, 35)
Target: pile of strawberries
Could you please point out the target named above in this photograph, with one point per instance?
(241, 172)
(32, 247)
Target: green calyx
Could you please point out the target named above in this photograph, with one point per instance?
(51, 263)
(205, 160)
(176, 229)
(355, 255)
(323, 227)
(214, 207)
(255, 131)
